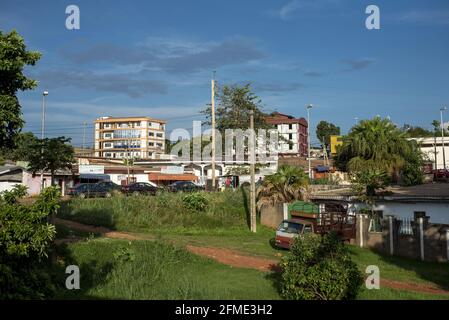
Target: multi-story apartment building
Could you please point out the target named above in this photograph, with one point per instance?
(133, 137)
(294, 133)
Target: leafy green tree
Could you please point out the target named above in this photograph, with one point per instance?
(51, 155)
(326, 129)
(367, 181)
(233, 106)
(25, 238)
(13, 58)
(416, 132)
(287, 184)
(23, 144)
(319, 268)
(377, 144)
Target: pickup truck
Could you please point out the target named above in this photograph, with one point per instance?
(290, 229)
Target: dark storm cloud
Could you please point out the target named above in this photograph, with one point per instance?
(127, 84)
(169, 55)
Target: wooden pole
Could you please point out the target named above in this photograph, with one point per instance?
(252, 145)
(213, 130)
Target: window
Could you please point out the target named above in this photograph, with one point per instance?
(290, 126)
(108, 145)
(419, 214)
(151, 134)
(307, 229)
(290, 136)
(107, 135)
(291, 227)
(151, 144)
(376, 221)
(107, 155)
(290, 147)
(107, 125)
(159, 135)
(159, 144)
(150, 154)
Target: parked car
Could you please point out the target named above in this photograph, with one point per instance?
(441, 174)
(139, 188)
(184, 186)
(105, 189)
(80, 189)
(92, 190)
(289, 229)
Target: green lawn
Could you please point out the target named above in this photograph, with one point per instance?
(402, 269)
(223, 225)
(116, 269)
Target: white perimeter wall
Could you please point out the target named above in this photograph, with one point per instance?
(438, 212)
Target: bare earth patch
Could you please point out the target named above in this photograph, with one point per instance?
(101, 230)
(235, 259)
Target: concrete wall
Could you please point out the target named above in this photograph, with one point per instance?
(7, 185)
(272, 215)
(430, 244)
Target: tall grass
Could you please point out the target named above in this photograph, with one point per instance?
(226, 213)
(153, 270)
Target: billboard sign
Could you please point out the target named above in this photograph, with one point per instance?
(91, 169)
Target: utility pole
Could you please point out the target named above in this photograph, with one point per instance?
(44, 94)
(84, 135)
(213, 129)
(127, 161)
(308, 139)
(252, 155)
(442, 136)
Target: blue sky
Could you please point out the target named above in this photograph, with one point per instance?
(156, 58)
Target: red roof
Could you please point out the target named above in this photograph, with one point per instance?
(280, 118)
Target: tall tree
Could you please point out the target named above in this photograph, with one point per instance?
(13, 58)
(51, 155)
(377, 144)
(233, 106)
(416, 131)
(326, 129)
(23, 142)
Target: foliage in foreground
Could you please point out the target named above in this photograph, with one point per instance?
(25, 238)
(117, 269)
(319, 268)
(14, 57)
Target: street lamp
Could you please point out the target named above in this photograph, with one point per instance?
(44, 94)
(442, 136)
(308, 138)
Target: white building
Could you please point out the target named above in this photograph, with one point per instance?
(293, 132)
(133, 137)
(433, 148)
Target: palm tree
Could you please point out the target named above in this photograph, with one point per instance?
(375, 144)
(287, 184)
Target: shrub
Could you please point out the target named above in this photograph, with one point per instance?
(319, 268)
(195, 202)
(25, 238)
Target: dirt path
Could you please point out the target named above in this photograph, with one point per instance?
(101, 230)
(236, 259)
(416, 287)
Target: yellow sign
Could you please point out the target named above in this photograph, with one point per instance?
(335, 141)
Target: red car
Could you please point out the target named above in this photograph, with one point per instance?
(441, 174)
